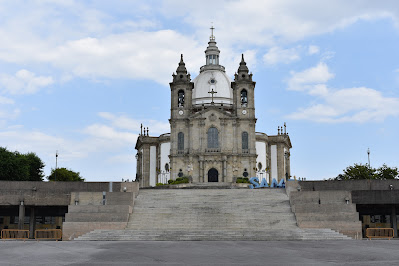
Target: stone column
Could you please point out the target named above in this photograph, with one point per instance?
(32, 223)
(224, 170)
(21, 216)
(394, 221)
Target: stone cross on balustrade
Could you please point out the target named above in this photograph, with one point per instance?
(212, 92)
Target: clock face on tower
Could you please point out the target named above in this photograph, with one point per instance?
(181, 112)
(244, 112)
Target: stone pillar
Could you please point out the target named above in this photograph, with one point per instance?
(201, 171)
(21, 216)
(32, 223)
(224, 170)
(394, 221)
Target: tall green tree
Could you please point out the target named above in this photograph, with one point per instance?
(15, 166)
(63, 174)
(35, 167)
(364, 171)
(385, 172)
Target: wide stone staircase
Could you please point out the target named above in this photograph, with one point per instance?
(212, 214)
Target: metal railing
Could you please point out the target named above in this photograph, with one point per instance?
(14, 234)
(212, 150)
(379, 233)
(54, 234)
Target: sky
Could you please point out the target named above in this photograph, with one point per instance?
(79, 77)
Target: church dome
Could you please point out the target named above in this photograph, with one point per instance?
(212, 80)
(212, 85)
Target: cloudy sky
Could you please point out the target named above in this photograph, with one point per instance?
(81, 76)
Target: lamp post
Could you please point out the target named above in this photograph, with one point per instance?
(56, 162)
(368, 155)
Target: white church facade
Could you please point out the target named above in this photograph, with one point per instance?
(212, 131)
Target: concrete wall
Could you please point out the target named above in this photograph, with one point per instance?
(376, 197)
(89, 214)
(54, 193)
(64, 187)
(309, 198)
(34, 198)
(97, 210)
(349, 185)
(326, 209)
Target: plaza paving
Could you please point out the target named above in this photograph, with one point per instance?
(352, 252)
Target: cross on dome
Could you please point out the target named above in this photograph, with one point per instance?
(212, 38)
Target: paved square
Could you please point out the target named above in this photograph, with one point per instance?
(352, 252)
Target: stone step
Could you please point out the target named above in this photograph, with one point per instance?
(324, 208)
(213, 235)
(99, 208)
(212, 214)
(98, 217)
(347, 217)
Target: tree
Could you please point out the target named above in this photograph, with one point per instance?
(35, 167)
(356, 172)
(15, 166)
(363, 171)
(63, 174)
(385, 172)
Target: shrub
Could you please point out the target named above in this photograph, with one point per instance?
(179, 180)
(242, 180)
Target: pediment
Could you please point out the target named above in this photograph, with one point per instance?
(216, 111)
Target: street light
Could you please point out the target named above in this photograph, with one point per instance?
(368, 155)
(56, 162)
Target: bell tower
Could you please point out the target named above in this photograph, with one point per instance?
(181, 89)
(181, 92)
(244, 110)
(243, 92)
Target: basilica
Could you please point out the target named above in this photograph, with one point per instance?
(212, 131)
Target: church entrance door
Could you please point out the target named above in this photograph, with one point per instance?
(213, 175)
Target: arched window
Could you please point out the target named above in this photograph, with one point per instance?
(244, 98)
(245, 140)
(213, 136)
(180, 99)
(180, 141)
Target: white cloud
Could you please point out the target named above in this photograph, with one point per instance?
(9, 114)
(135, 55)
(5, 100)
(91, 41)
(277, 55)
(126, 158)
(306, 79)
(133, 125)
(109, 133)
(359, 104)
(109, 142)
(23, 82)
(313, 49)
(268, 22)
